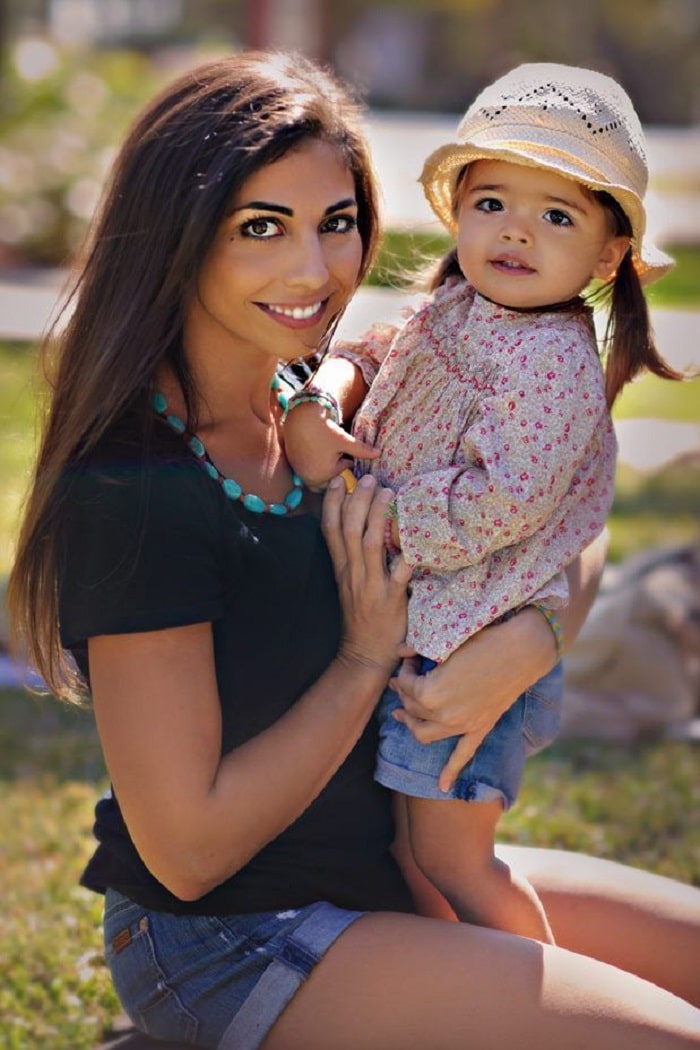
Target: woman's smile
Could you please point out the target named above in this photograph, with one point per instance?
(296, 316)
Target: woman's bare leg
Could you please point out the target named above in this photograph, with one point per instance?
(643, 923)
(394, 981)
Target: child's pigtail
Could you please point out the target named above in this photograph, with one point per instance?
(629, 345)
(629, 336)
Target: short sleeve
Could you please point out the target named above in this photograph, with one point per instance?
(139, 550)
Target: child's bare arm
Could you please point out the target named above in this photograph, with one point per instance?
(317, 447)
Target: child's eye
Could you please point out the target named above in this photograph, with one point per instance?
(489, 204)
(260, 228)
(557, 217)
(340, 224)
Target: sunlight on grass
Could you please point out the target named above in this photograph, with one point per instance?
(622, 801)
(56, 991)
(17, 437)
(654, 510)
(660, 399)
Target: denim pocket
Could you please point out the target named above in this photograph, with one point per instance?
(543, 710)
(139, 978)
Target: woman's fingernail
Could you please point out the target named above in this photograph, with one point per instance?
(366, 481)
(335, 483)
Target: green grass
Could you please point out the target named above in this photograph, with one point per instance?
(56, 991)
(654, 510)
(625, 802)
(660, 399)
(17, 437)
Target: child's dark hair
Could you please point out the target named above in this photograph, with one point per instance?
(629, 345)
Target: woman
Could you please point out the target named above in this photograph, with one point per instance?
(233, 659)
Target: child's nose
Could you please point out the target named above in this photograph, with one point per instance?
(515, 233)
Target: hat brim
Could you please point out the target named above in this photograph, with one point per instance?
(442, 168)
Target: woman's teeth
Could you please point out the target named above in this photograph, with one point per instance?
(298, 313)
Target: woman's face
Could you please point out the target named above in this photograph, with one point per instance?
(284, 262)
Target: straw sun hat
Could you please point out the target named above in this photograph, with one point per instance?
(575, 122)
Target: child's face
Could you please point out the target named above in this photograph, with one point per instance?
(528, 237)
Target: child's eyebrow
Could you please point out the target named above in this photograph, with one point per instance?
(566, 203)
(499, 187)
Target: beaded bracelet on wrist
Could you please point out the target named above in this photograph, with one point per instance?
(312, 393)
(555, 626)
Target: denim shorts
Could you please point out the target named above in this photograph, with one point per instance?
(495, 770)
(213, 981)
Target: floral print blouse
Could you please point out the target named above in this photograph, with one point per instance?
(496, 438)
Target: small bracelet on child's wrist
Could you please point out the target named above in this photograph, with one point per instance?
(312, 393)
(556, 627)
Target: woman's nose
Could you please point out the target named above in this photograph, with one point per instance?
(308, 268)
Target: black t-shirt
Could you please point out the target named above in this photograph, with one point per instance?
(149, 542)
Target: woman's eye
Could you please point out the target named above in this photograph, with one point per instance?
(558, 218)
(340, 224)
(260, 229)
(489, 204)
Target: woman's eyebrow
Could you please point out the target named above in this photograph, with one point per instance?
(282, 209)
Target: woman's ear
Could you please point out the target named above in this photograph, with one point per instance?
(611, 256)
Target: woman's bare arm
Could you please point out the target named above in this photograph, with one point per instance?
(470, 691)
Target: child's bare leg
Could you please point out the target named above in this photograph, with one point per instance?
(453, 845)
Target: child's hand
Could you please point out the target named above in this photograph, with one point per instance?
(317, 448)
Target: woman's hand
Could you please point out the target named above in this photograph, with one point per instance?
(467, 694)
(373, 599)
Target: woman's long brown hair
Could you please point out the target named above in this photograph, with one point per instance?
(185, 157)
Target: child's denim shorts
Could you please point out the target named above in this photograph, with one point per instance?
(213, 981)
(495, 771)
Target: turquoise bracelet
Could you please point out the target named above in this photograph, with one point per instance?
(556, 627)
(314, 394)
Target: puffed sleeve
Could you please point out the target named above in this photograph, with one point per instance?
(367, 352)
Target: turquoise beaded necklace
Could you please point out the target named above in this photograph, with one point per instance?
(230, 487)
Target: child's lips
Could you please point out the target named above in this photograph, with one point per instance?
(509, 265)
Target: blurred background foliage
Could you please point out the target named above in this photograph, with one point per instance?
(59, 122)
(73, 72)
